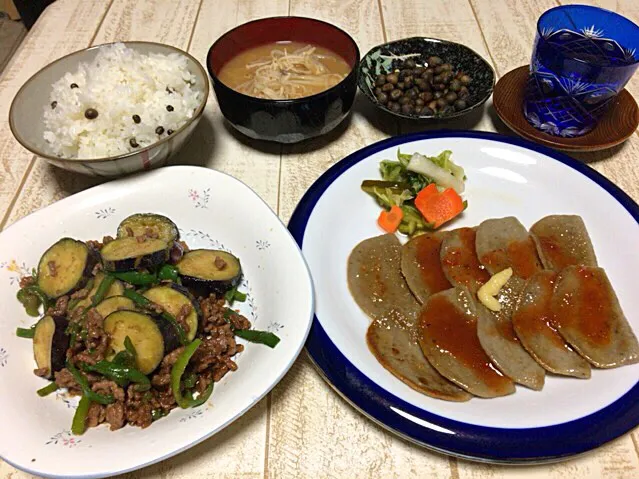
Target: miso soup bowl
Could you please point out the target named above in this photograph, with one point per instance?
(285, 121)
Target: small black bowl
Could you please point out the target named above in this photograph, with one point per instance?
(387, 57)
(285, 121)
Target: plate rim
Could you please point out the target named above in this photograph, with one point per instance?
(169, 170)
(479, 443)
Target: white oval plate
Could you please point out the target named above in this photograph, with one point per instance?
(212, 210)
(506, 176)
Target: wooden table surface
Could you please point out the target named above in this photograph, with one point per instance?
(302, 429)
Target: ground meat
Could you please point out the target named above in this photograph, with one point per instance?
(185, 310)
(84, 357)
(165, 399)
(114, 415)
(95, 245)
(41, 372)
(26, 281)
(212, 312)
(141, 238)
(64, 379)
(96, 414)
(184, 246)
(96, 269)
(163, 376)
(109, 387)
(151, 233)
(139, 408)
(214, 351)
(129, 231)
(239, 322)
(219, 263)
(53, 271)
(81, 293)
(94, 324)
(60, 308)
(155, 307)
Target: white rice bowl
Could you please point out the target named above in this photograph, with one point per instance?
(119, 83)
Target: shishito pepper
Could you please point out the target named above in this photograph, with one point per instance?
(187, 401)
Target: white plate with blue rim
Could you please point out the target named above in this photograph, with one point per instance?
(212, 210)
(506, 177)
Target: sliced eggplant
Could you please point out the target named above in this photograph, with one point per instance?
(172, 297)
(50, 344)
(114, 303)
(65, 267)
(149, 224)
(145, 334)
(125, 254)
(207, 271)
(116, 289)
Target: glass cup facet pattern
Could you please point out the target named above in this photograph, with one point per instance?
(582, 58)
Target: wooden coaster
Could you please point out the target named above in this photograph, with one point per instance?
(614, 128)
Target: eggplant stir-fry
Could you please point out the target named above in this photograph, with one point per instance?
(135, 325)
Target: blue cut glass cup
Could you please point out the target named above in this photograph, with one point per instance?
(582, 58)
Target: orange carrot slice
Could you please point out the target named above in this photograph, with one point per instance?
(424, 194)
(442, 207)
(389, 220)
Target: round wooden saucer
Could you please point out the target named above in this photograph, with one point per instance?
(614, 128)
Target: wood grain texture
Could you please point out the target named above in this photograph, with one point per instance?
(314, 433)
(11, 34)
(43, 45)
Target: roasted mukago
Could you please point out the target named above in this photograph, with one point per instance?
(130, 253)
(50, 344)
(144, 333)
(150, 225)
(176, 300)
(65, 267)
(206, 271)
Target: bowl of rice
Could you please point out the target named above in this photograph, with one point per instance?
(112, 109)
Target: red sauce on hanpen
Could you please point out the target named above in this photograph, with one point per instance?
(456, 333)
(427, 256)
(558, 258)
(532, 319)
(521, 256)
(588, 307)
(462, 263)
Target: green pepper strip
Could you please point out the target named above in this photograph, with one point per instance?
(130, 348)
(260, 337)
(252, 335)
(79, 424)
(31, 297)
(158, 414)
(106, 283)
(168, 273)
(176, 376)
(45, 391)
(122, 375)
(136, 278)
(26, 333)
(145, 303)
(86, 389)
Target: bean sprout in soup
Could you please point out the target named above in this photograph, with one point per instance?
(284, 70)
